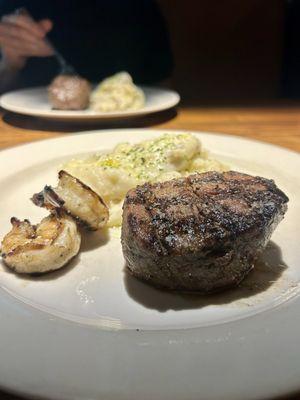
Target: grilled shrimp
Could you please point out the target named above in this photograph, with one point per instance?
(40, 248)
(76, 199)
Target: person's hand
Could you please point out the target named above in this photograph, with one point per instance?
(22, 37)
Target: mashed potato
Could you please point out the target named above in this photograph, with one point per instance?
(117, 93)
(112, 174)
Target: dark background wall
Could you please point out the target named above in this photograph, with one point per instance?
(228, 49)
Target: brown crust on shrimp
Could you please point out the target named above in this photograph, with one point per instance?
(48, 198)
(31, 232)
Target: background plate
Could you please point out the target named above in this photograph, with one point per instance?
(35, 102)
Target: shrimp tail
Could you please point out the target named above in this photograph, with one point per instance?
(47, 198)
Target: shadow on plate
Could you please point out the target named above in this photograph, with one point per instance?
(268, 269)
(91, 240)
(44, 124)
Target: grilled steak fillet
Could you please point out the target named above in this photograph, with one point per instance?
(200, 233)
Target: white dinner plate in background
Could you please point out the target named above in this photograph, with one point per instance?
(35, 102)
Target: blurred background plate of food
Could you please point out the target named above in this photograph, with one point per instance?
(71, 97)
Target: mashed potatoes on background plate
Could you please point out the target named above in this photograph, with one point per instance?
(112, 174)
(117, 93)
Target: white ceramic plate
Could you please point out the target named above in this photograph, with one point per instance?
(91, 331)
(35, 102)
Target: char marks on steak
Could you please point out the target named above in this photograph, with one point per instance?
(199, 233)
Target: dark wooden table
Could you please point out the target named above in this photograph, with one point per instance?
(278, 123)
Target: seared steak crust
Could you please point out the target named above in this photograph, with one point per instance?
(200, 233)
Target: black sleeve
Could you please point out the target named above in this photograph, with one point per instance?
(145, 42)
(129, 36)
(10, 6)
(152, 41)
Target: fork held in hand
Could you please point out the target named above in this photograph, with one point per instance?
(65, 67)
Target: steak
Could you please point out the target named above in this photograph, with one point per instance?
(69, 92)
(200, 233)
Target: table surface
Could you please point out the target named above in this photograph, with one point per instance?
(276, 122)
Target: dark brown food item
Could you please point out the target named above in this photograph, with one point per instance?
(200, 233)
(69, 92)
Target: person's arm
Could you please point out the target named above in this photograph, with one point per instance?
(20, 37)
